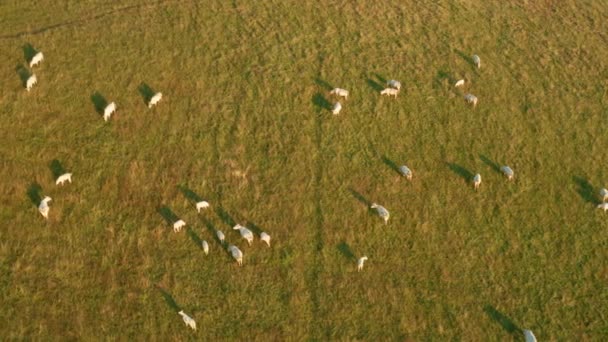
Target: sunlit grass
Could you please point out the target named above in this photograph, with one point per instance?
(242, 124)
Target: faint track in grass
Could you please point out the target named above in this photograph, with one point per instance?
(89, 18)
(316, 268)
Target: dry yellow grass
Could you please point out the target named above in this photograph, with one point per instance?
(243, 124)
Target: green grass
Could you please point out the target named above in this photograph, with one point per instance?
(243, 86)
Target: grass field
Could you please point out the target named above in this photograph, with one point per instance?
(244, 124)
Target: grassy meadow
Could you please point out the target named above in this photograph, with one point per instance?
(244, 123)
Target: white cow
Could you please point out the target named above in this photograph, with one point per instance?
(390, 92)
(508, 172)
(340, 93)
(188, 320)
(336, 109)
(406, 172)
(108, 111)
(202, 205)
(604, 194)
(245, 233)
(382, 212)
(265, 237)
(43, 207)
(155, 99)
(529, 336)
(360, 263)
(236, 254)
(30, 82)
(178, 225)
(471, 99)
(205, 246)
(477, 181)
(459, 83)
(36, 59)
(477, 61)
(220, 236)
(394, 84)
(63, 178)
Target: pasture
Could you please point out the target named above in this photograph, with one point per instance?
(245, 123)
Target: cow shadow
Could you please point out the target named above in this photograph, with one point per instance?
(360, 198)
(254, 228)
(441, 76)
(189, 194)
(167, 214)
(28, 52)
(321, 102)
(99, 102)
(377, 82)
(195, 238)
(374, 85)
(381, 79)
(490, 163)
(225, 217)
(346, 251)
(467, 58)
(585, 190)
(504, 321)
(34, 192)
(23, 73)
(323, 84)
(461, 171)
(391, 164)
(168, 299)
(56, 168)
(146, 92)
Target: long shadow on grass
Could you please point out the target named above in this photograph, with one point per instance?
(441, 76)
(461, 171)
(99, 102)
(360, 198)
(189, 194)
(324, 84)
(167, 214)
(490, 163)
(467, 58)
(381, 79)
(23, 73)
(503, 320)
(168, 299)
(146, 92)
(225, 217)
(195, 238)
(377, 82)
(344, 248)
(585, 190)
(56, 168)
(320, 101)
(391, 164)
(254, 228)
(33, 192)
(374, 85)
(28, 52)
